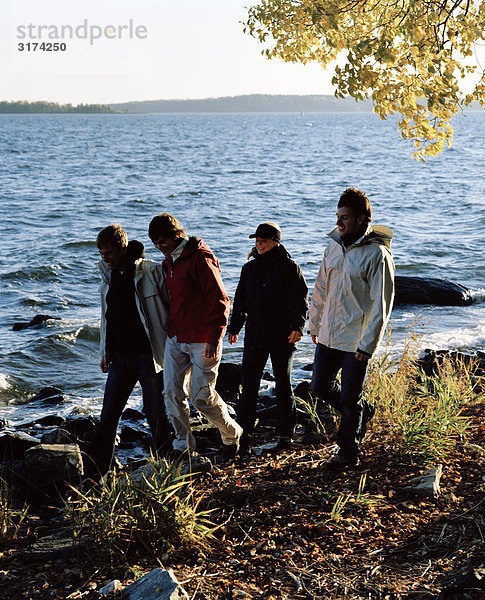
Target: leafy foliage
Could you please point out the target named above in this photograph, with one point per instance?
(410, 57)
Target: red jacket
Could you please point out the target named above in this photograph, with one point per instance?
(199, 305)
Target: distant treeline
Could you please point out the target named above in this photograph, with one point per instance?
(52, 107)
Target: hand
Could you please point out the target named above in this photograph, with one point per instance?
(294, 337)
(361, 357)
(104, 365)
(210, 350)
(232, 338)
(315, 339)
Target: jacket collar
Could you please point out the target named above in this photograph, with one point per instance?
(375, 234)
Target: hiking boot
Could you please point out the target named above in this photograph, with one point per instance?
(245, 445)
(339, 462)
(229, 452)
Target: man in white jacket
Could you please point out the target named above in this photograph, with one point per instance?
(351, 304)
(134, 317)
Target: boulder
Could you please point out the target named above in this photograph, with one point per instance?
(431, 360)
(56, 436)
(37, 321)
(46, 464)
(48, 394)
(131, 434)
(427, 290)
(14, 445)
(131, 414)
(159, 584)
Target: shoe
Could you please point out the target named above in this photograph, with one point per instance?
(339, 462)
(245, 445)
(229, 452)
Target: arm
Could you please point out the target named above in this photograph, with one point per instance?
(208, 276)
(239, 309)
(297, 302)
(318, 301)
(381, 290)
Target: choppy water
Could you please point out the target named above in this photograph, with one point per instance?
(65, 177)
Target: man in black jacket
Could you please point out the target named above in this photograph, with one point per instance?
(272, 299)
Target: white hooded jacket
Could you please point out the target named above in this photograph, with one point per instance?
(151, 302)
(354, 291)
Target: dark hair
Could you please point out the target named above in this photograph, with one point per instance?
(165, 225)
(113, 235)
(357, 201)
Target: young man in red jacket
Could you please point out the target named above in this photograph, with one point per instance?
(199, 309)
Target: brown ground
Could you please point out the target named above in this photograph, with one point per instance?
(279, 540)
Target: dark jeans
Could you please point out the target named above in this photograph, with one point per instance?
(347, 397)
(253, 363)
(123, 374)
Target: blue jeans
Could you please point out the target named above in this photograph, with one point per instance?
(253, 363)
(347, 397)
(124, 372)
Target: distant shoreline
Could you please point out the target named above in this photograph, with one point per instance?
(250, 103)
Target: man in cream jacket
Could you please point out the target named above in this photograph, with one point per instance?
(351, 304)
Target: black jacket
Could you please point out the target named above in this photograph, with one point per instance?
(271, 297)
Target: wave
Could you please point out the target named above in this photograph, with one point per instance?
(42, 273)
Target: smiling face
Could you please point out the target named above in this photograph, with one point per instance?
(347, 223)
(263, 245)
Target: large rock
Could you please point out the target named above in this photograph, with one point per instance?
(48, 394)
(14, 445)
(427, 484)
(46, 464)
(427, 290)
(156, 585)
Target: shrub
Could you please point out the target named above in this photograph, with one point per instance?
(152, 514)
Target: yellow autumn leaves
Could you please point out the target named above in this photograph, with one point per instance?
(411, 57)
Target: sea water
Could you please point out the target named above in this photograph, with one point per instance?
(65, 177)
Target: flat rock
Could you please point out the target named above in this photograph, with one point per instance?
(427, 484)
(56, 546)
(159, 584)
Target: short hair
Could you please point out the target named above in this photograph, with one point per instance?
(113, 235)
(165, 225)
(357, 201)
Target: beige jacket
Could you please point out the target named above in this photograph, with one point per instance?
(354, 292)
(151, 301)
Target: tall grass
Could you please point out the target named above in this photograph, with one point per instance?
(148, 515)
(11, 518)
(422, 415)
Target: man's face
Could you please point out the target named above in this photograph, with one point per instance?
(166, 245)
(348, 224)
(112, 256)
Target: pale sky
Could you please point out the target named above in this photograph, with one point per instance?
(154, 49)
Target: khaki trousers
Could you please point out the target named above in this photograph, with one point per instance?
(188, 373)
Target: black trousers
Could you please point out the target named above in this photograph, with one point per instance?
(347, 397)
(253, 363)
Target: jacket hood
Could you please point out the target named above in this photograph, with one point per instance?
(375, 234)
